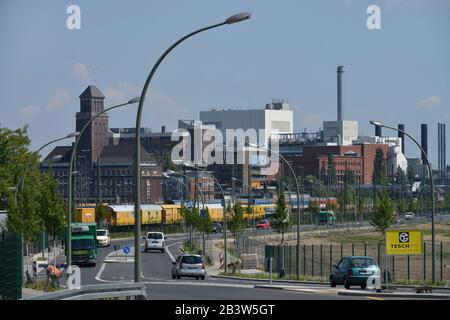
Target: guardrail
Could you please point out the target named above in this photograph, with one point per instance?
(113, 291)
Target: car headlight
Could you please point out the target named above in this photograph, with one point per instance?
(91, 256)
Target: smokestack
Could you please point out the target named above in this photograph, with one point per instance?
(340, 71)
(163, 129)
(402, 136)
(424, 140)
(378, 131)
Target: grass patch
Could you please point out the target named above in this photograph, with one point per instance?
(42, 285)
(359, 238)
(407, 282)
(274, 276)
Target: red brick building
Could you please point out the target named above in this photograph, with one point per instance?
(357, 158)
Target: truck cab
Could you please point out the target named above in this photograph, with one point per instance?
(84, 243)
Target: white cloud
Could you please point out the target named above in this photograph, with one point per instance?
(29, 111)
(430, 103)
(59, 99)
(80, 72)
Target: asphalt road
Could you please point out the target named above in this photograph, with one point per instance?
(156, 272)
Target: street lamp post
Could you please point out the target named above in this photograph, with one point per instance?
(72, 159)
(224, 211)
(201, 194)
(137, 205)
(297, 253)
(433, 206)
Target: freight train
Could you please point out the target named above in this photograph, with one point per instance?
(119, 215)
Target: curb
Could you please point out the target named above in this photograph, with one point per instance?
(269, 287)
(396, 295)
(318, 282)
(267, 280)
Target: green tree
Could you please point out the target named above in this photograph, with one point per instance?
(14, 156)
(331, 169)
(379, 168)
(51, 207)
(100, 215)
(235, 219)
(383, 217)
(401, 177)
(190, 217)
(410, 174)
(281, 221)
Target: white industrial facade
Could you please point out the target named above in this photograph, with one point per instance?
(275, 117)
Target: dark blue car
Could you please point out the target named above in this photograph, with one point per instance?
(354, 270)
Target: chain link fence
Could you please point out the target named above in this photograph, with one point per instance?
(317, 260)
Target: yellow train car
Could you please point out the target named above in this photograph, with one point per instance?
(85, 214)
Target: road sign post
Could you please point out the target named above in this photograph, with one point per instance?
(402, 242)
(126, 251)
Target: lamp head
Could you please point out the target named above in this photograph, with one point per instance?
(238, 17)
(73, 134)
(134, 100)
(376, 123)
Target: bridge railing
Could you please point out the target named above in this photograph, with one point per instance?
(110, 291)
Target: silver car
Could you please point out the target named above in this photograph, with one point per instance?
(189, 265)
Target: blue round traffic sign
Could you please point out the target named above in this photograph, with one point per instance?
(126, 250)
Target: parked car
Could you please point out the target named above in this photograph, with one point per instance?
(103, 238)
(354, 270)
(217, 227)
(189, 265)
(409, 216)
(154, 241)
(263, 224)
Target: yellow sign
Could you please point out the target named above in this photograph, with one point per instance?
(404, 242)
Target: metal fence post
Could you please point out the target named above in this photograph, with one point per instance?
(353, 249)
(312, 260)
(378, 253)
(424, 261)
(304, 259)
(342, 250)
(331, 257)
(408, 269)
(365, 248)
(321, 264)
(393, 267)
(441, 259)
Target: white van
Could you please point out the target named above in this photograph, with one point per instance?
(154, 241)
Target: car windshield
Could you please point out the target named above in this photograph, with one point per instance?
(101, 232)
(82, 244)
(154, 236)
(363, 262)
(191, 259)
(262, 222)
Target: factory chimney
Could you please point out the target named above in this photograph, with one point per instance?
(377, 131)
(340, 71)
(402, 136)
(424, 141)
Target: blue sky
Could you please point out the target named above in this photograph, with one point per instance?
(289, 49)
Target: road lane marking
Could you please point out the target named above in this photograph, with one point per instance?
(375, 298)
(168, 251)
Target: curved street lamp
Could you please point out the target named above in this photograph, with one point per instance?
(165, 175)
(297, 251)
(72, 159)
(433, 206)
(137, 163)
(224, 211)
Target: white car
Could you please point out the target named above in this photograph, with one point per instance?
(103, 238)
(409, 216)
(154, 241)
